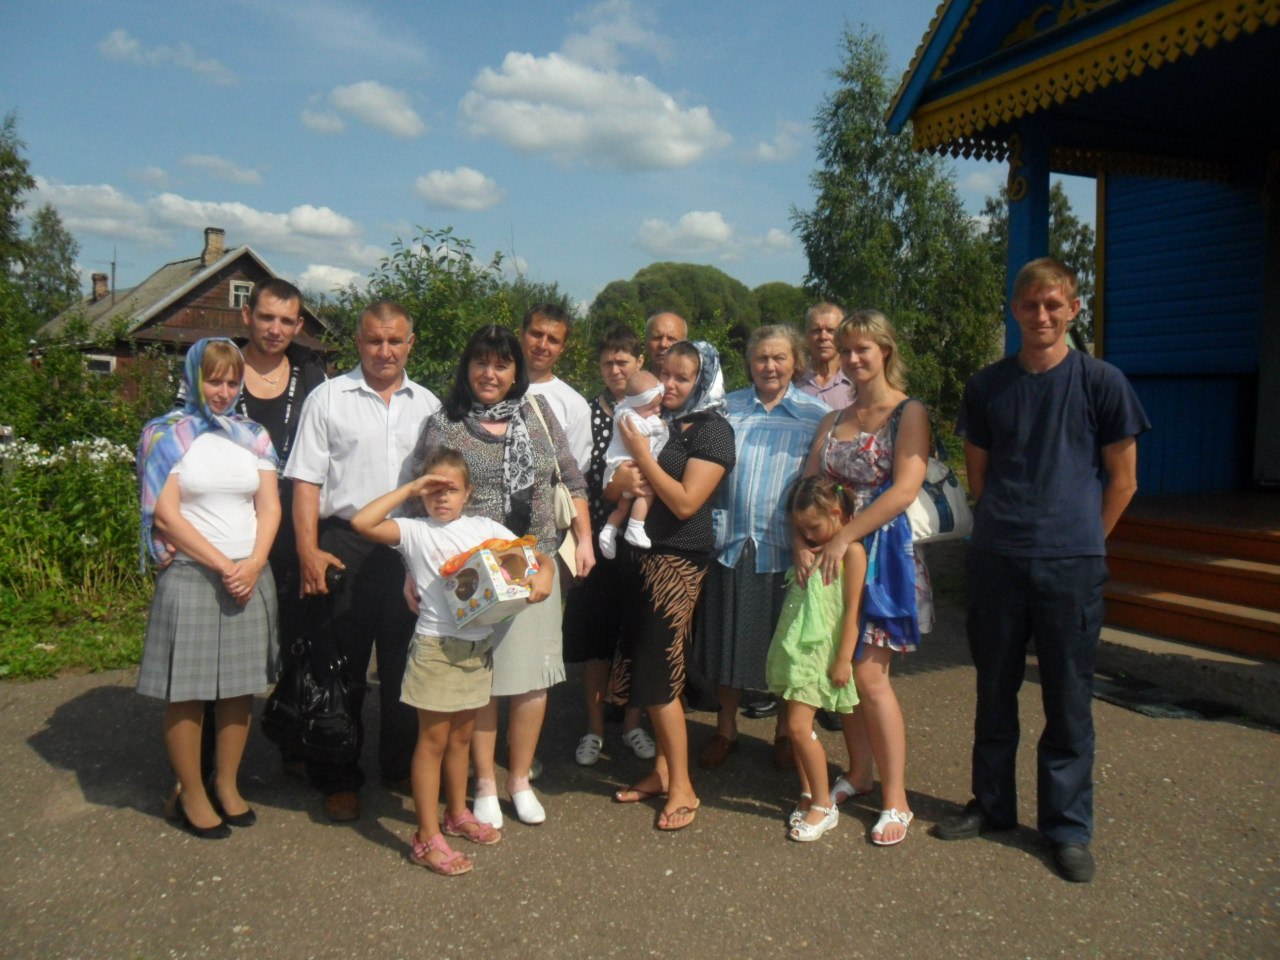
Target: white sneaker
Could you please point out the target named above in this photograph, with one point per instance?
(636, 536)
(528, 809)
(609, 541)
(640, 742)
(588, 751)
(488, 810)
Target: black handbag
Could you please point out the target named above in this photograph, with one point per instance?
(309, 713)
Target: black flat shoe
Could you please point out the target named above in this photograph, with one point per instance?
(219, 832)
(760, 709)
(246, 819)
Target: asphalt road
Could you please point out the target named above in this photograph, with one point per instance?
(1188, 844)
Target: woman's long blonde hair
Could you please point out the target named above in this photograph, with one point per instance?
(875, 326)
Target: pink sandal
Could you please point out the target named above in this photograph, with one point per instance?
(467, 826)
(454, 864)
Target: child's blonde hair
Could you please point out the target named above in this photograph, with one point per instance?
(821, 493)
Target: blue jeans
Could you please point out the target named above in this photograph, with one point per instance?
(1058, 601)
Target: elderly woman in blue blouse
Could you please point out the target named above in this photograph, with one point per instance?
(773, 426)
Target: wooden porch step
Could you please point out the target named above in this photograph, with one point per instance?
(1260, 545)
(1249, 583)
(1212, 623)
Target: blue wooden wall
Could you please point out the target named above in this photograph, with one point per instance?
(1182, 306)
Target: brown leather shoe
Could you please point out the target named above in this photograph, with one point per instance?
(717, 751)
(784, 757)
(342, 807)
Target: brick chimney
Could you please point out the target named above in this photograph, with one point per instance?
(100, 288)
(215, 241)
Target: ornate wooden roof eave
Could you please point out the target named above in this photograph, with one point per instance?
(974, 122)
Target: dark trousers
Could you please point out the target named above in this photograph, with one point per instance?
(368, 613)
(1058, 601)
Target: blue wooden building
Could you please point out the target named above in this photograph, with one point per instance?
(1174, 107)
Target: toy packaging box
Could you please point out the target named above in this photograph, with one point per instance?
(482, 590)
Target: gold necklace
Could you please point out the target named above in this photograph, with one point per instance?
(284, 365)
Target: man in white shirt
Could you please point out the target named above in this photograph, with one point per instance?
(353, 444)
(543, 335)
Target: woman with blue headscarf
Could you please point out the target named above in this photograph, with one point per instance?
(207, 483)
(652, 667)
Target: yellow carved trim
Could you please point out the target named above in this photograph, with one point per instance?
(1090, 162)
(1145, 43)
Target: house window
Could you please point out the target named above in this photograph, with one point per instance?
(240, 290)
(101, 364)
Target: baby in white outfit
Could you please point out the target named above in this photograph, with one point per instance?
(640, 407)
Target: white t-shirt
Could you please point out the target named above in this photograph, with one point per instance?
(426, 544)
(574, 414)
(217, 481)
(355, 446)
(652, 426)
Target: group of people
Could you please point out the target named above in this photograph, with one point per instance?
(716, 544)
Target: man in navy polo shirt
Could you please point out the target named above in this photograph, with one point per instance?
(1051, 452)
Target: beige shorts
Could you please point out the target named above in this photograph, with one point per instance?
(447, 675)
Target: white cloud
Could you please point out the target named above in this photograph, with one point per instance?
(321, 278)
(319, 235)
(775, 241)
(98, 209)
(221, 168)
(698, 231)
(459, 189)
(239, 219)
(556, 106)
(152, 177)
(379, 107)
(354, 31)
(119, 45)
(784, 145)
(323, 121)
(986, 182)
(611, 25)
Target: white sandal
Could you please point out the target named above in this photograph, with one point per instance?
(798, 815)
(887, 817)
(806, 832)
(588, 751)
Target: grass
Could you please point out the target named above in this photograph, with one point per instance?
(48, 635)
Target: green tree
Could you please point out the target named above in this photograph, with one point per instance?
(1070, 240)
(15, 180)
(888, 231)
(49, 279)
(782, 303)
(718, 308)
(446, 288)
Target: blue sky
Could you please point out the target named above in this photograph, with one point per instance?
(582, 140)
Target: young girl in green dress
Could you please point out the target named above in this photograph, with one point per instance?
(810, 662)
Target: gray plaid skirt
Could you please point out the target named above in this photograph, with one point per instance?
(201, 645)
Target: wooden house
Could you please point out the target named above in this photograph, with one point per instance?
(177, 305)
(1174, 107)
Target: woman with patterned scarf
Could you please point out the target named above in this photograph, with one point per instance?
(513, 452)
(207, 481)
(652, 667)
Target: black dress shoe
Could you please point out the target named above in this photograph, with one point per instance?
(759, 709)
(218, 832)
(246, 819)
(830, 721)
(1074, 862)
(967, 824)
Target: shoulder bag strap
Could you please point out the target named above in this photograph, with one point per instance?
(537, 409)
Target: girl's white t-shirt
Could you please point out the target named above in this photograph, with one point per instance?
(427, 544)
(217, 481)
